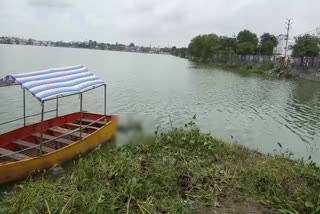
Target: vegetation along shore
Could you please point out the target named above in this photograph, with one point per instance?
(247, 52)
(183, 171)
(261, 69)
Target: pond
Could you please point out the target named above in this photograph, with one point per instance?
(259, 112)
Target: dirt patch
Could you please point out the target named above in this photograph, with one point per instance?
(184, 183)
(108, 180)
(234, 202)
(144, 166)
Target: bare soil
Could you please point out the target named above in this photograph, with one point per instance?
(235, 202)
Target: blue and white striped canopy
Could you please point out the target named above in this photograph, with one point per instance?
(55, 82)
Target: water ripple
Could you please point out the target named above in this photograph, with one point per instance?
(257, 111)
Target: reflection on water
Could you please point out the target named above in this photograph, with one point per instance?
(303, 112)
(252, 110)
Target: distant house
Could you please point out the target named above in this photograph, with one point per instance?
(280, 48)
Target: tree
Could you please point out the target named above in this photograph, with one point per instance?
(306, 45)
(29, 42)
(227, 45)
(245, 48)
(92, 44)
(247, 42)
(267, 44)
(182, 52)
(102, 46)
(165, 50)
(145, 49)
(203, 46)
(17, 41)
(83, 45)
(8, 41)
(131, 45)
(174, 50)
(195, 46)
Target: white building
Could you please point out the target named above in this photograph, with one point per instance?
(280, 48)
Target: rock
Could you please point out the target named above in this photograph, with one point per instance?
(191, 203)
(56, 170)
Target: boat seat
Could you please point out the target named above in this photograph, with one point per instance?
(49, 137)
(77, 125)
(32, 145)
(91, 121)
(66, 131)
(15, 156)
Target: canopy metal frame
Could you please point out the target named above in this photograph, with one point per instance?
(43, 112)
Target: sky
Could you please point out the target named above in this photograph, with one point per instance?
(152, 22)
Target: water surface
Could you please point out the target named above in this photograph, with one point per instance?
(255, 111)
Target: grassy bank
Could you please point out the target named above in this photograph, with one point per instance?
(183, 171)
(256, 69)
(261, 68)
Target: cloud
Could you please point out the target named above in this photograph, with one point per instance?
(58, 4)
(139, 7)
(156, 22)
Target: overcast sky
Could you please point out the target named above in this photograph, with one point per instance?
(156, 22)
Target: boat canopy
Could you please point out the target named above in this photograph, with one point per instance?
(55, 82)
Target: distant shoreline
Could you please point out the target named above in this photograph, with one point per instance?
(90, 44)
(159, 53)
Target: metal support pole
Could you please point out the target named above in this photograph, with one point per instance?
(57, 107)
(41, 133)
(289, 23)
(80, 116)
(57, 114)
(24, 107)
(105, 100)
(259, 55)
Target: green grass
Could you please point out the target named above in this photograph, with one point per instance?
(158, 175)
(256, 69)
(261, 68)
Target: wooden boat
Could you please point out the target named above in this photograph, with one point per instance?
(32, 148)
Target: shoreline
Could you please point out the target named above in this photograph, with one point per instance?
(253, 69)
(260, 69)
(307, 75)
(263, 70)
(97, 49)
(183, 171)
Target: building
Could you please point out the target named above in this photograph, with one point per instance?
(280, 48)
